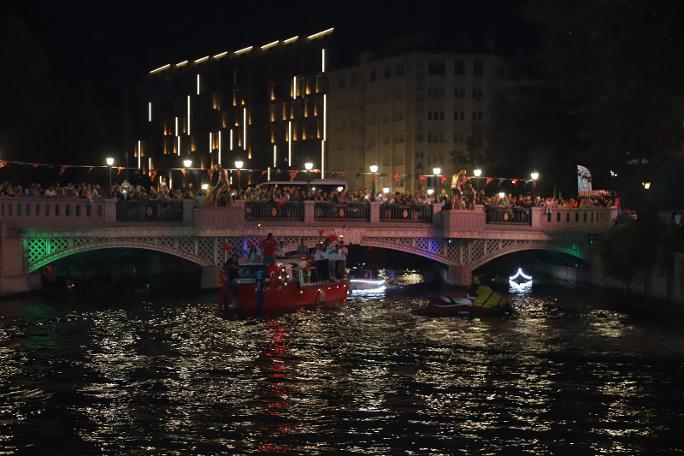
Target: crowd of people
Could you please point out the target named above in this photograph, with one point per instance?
(466, 198)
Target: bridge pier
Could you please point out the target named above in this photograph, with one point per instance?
(459, 275)
(13, 276)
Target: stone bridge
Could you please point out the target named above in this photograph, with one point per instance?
(36, 232)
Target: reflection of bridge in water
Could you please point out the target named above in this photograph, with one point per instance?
(36, 232)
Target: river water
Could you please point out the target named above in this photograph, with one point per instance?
(135, 374)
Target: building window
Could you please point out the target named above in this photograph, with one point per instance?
(372, 76)
(459, 68)
(388, 71)
(459, 115)
(399, 138)
(478, 69)
(478, 94)
(477, 115)
(459, 93)
(435, 92)
(436, 67)
(398, 116)
(399, 69)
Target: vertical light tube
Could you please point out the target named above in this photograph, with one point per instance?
(294, 87)
(178, 145)
(323, 60)
(219, 146)
(244, 128)
(322, 159)
(149, 111)
(289, 143)
(275, 155)
(198, 84)
(139, 154)
(149, 164)
(176, 126)
(211, 142)
(325, 117)
(170, 180)
(268, 171)
(188, 114)
(231, 139)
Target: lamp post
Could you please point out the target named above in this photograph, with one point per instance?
(477, 172)
(110, 163)
(534, 175)
(373, 170)
(187, 164)
(437, 171)
(238, 166)
(308, 166)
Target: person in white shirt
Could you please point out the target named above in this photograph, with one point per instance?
(331, 256)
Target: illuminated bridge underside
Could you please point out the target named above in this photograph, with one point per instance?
(41, 249)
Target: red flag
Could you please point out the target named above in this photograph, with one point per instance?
(422, 178)
(397, 178)
(62, 169)
(119, 170)
(442, 179)
(293, 174)
(35, 165)
(332, 237)
(489, 181)
(153, 174)
(3, 163)
(227, 246)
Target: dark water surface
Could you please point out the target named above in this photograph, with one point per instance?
(148, 375)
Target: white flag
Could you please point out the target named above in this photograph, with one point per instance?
(583, 179)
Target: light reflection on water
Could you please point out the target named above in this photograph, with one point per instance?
(154, 375)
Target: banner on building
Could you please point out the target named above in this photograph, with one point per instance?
(583, 179)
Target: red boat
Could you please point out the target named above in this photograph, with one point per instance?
(446, 306)
(287, 285)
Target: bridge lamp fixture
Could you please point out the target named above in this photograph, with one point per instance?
(646, 185)
(308, 166)
(437, 171)
(187, 163)
(340, 188)
(430, 191)
(477, 172)
(239, 164)
(110, 161)
(502, 195)
(205, 187)
(385, 190)
(534, 175)
(373, 168)
(613, 173)
(520, 281)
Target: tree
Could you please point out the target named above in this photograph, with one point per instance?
(618, 64)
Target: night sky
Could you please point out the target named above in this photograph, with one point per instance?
(110, 44)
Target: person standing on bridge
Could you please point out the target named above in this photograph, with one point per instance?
(269, 246)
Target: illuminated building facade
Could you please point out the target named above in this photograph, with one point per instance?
(409, 114)
(264, 105)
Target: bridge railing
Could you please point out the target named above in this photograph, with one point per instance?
(590, 219)
(406, 213)
(508, 216)
(58, 212)
(270, 210)
(149, 211)
(330, 211)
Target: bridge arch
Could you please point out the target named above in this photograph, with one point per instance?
(541, 245)
(64, 253)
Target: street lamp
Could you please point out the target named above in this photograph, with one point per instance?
(534, 175)
(110, 163)
(437, 171)
(477, 172)
(385, 190)
(373, 170)
(187, 163)
(646, 185)
(308, 166)
(238, 166)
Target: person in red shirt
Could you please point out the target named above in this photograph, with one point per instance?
(269, 246)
